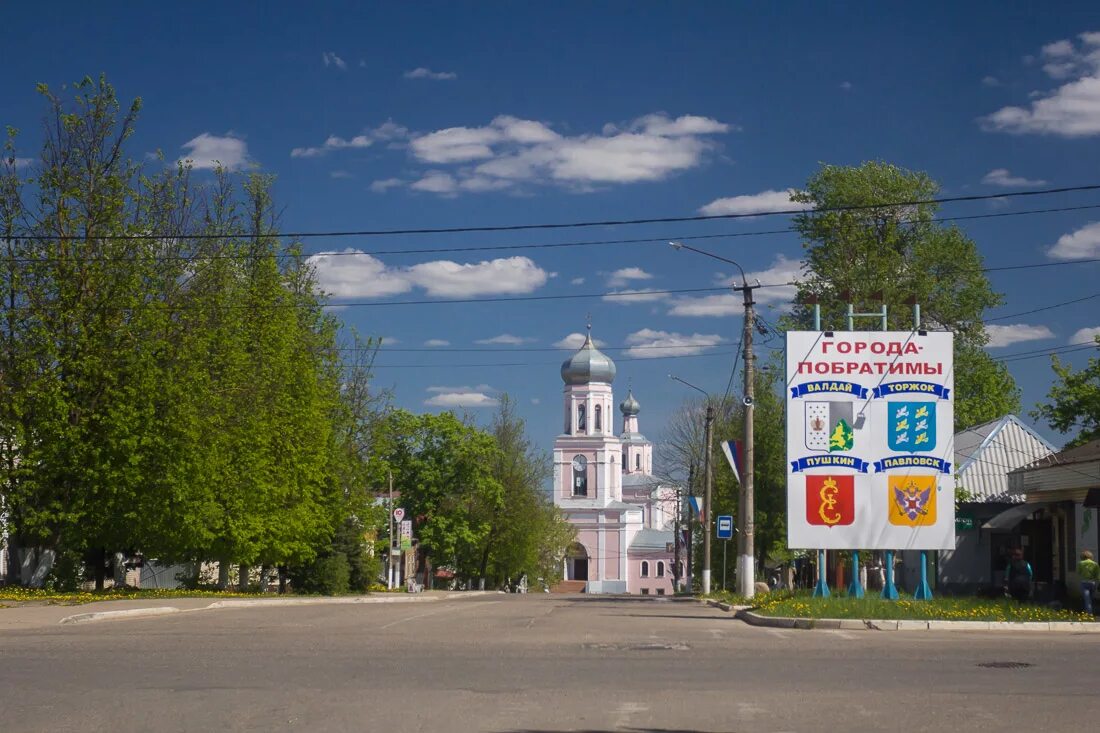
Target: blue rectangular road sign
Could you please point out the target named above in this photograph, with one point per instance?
(725, 527)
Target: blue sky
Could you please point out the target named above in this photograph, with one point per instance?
(456, 114)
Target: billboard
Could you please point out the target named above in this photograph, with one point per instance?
(870, 440)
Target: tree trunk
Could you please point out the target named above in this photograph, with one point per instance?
(223, 574)
(282, 579)
(242, 577)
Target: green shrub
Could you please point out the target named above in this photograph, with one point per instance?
(329, 575)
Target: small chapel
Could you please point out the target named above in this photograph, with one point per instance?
(604, 484)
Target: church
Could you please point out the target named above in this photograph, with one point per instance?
(604, 484)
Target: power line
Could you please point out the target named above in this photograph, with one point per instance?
(581, 224)
(1044, 308)
(523, 349)
(541, 363)
(1047, 350)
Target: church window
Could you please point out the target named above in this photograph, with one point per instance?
(580, 419)
(568, 422)
(599, 422)
(660, 569)
(645, 568)
(645, 591)
(660, 591)
(637, 461)
(624, 460)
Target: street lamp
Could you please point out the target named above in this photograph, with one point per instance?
(746, 566)
(707, 481)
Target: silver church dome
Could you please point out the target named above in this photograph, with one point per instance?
(589, 364)
(629, 406)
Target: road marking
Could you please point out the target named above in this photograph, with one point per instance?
(627, 709)
(433, 613)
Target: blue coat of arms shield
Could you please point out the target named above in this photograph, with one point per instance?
(911, 426)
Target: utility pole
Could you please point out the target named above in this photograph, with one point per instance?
(690, 532)
(707, 483)
(389, 555)
(746, 566)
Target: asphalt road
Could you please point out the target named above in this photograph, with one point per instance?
(533, 663)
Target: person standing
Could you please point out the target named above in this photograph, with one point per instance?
(1018, 576)
(1089, 573)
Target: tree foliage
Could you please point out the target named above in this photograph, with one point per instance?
(1074, 401)
(892, 254)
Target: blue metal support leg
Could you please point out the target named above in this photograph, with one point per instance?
(924, 591)
(821, 590)
(889, 590)
(855, 588)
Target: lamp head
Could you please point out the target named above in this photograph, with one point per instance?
(676, 245)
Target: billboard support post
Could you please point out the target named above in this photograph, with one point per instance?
(889, 590)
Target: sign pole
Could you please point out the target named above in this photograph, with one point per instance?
(821, 589)
(924, 591)
(725, 547)
(389, 555)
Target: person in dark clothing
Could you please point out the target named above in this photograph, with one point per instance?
(1018, 576)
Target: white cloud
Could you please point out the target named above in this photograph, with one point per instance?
(341, 174)
(1085, 335)
(509, 151)
(991, 81)
(385, 184)
(781, 272)
(574, 341)
(649, 344)
(23, 162)
(389, 340)
(459, 398)
(1082, 244)
(437, 342)
(577, 281)
(331, 59)
(757, 203)
(846, 86)
(388, 130)
(640, 295)
(425, 73)
(1015, 333)
(506, 339)
(357, 275)
(621, 277)
(333, 142)
(354, 274)
(503, 276)
(535, 400)
(1071, 110)
(1002, 177)
(209, 151)
(435, 182)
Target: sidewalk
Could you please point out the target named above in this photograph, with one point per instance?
(39, 616)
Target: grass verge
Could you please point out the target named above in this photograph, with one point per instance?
(802, 605)
(19, 595)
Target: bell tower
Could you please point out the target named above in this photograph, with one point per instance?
(587, 454)
(637, 451)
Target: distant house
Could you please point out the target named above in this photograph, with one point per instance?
(989, 523)
(1062, 496)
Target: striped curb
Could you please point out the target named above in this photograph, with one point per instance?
(83, 618)
(786, 622)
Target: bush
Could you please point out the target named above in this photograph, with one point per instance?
(329, 575)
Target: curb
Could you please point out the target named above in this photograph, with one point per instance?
(786, 622)
(82, 618)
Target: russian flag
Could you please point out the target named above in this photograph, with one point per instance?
(734, 451)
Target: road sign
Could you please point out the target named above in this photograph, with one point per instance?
(398, 514)
(725, 527)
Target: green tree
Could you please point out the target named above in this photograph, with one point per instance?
(893, 254)
(443, 468)
(1074, 401)
(527, 534)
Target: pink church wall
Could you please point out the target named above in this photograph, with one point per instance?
(587, 537)
(612, 554)
(635, 581)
